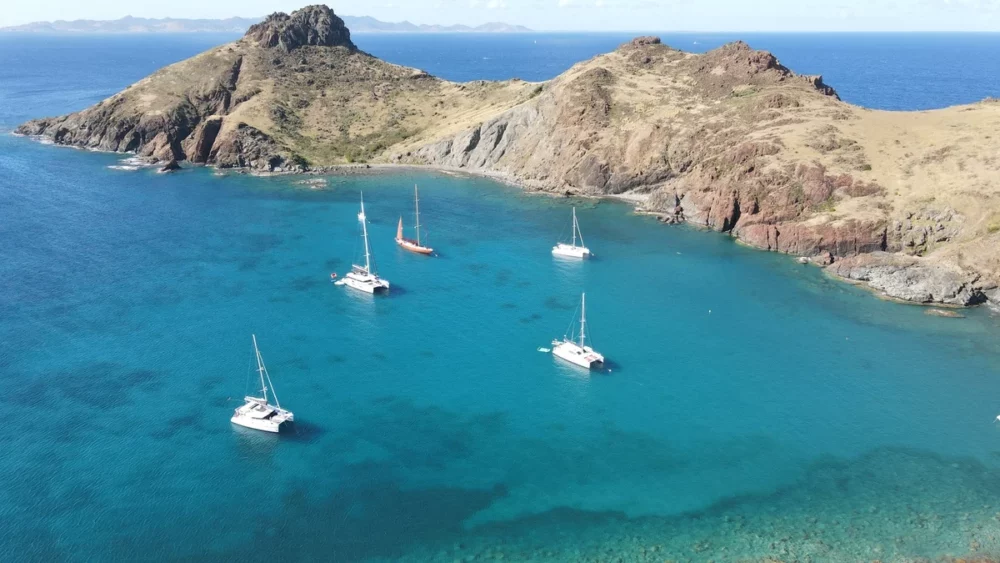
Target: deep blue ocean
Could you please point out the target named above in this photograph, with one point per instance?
(755, 409)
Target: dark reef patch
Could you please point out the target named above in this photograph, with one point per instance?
(306, 283)
(558, 304)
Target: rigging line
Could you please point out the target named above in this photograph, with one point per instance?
(562, 234)
(366, 246)
(359, 245)
(270, 384)
(576, 227)
(590, 334)
(246, 386)
(571, 327)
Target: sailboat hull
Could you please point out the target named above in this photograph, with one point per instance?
(259, 415)
(412, 246)
(570, 251)
(366, 283)
(584, 357)
(255, 424)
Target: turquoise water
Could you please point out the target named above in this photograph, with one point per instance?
(754, 409)
(739, 379)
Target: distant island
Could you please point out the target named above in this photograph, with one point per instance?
(129, 24)
(730, 140)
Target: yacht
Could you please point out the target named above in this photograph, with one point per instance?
(257, 412)
(576, 351)
(365, 278)
(410, 244)
(572, 250)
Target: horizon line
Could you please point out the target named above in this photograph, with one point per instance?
(12, 30)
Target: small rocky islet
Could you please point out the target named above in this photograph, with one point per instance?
(731, 140)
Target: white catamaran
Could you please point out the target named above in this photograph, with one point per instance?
(364, 278)
(257, 412)
(576, 351)
(572, 250)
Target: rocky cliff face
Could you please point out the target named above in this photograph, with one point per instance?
(681, 127)
(731, 139)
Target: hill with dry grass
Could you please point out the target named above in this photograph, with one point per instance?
(908, 202)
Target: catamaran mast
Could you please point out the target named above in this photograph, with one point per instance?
(416, 202)
(264, 375)
(260, 367)
(364, 231)
(583, 317)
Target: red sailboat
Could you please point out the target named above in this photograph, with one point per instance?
(410, 244)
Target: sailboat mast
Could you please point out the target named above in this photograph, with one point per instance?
(416, 203)
(583, 318)
(364, 232)
(574, 226)
(260, 367)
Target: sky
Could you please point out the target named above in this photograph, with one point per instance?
(570, 15)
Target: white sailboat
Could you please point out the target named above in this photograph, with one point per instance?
(257, 412)
(576, 351)
(364, 278)
(572, 250)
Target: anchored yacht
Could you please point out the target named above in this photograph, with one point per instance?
(572, 250)
(410, 244)
(257, 412)
(365, 278)
(576, 351)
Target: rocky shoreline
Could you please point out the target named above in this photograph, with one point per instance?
(890, 276)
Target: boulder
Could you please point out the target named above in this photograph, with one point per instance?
(822, 259)
(171, 166)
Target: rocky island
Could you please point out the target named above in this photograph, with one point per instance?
(906, 202)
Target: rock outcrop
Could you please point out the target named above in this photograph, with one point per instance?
(312, 25)
(910, 279)
(730, 139)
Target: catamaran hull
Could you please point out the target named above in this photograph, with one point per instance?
(257, 424)
(587, 360)
(567, 251)
(366, 286)
(578, 361)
